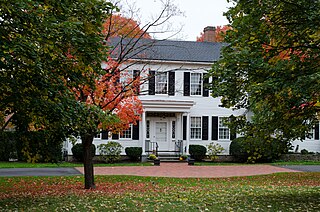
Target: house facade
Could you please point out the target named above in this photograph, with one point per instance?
(178, 107)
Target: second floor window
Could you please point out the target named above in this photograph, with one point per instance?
(195, 83)
(161, 82)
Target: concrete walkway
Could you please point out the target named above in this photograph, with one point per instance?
(182, 170)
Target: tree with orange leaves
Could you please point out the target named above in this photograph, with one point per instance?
(120, 26)
(112, 103)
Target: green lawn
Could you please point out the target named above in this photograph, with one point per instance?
(278, 192)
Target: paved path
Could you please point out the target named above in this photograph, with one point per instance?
(13, 172)
(182, 170)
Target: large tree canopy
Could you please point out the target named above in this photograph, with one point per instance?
(271, 65)
(37, 69)
(48, 49)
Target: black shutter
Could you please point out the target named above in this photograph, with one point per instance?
(135, 132)
(186, 83)
(171, 83)
(104, 134)
(115, 136)
(184, 127)
(205, 125)
(316, 131)
(136, 74)
(205, 87)
(152, 81)
(215, 128)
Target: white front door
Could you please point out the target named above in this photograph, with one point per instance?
(161, 135)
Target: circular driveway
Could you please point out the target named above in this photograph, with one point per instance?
(179, 170)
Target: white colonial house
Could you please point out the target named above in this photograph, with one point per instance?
(178, 108)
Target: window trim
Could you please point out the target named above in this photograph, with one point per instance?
(158, 74)
(131, 134)
(200, 134)
(224, 127)
(199, 83)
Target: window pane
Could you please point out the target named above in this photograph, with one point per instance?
(126, 133)
(148, 129)
(195, 128)
(224, 132)
(195, 83)
(161, 83)
(173, 129)
(126, 77)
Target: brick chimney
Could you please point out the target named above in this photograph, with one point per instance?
(209, 33)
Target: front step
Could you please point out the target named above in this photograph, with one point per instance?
(169, 159)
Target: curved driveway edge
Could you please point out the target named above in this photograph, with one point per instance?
(182, 170)
(15, 172)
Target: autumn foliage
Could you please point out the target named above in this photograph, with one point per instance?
(120, 26)
(115, 92)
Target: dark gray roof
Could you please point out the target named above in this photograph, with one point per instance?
(166, 50)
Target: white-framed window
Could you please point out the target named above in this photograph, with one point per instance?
(224, 131)
(161, 82)
(196, 84)
(126, 134)
(126, 77)
(195, 127)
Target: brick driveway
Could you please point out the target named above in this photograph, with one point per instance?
(182, 170)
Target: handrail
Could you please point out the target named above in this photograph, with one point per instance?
(154, 147)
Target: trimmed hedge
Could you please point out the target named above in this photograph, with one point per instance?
(253, 149)
(77, 151)
(134, 153)
(197, 152)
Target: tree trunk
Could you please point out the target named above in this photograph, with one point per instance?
(87, 162)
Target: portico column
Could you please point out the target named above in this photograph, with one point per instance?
(143, 134)
(188, 133)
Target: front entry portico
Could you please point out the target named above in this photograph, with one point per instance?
(162, 126)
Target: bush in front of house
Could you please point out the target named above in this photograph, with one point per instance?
(134, 153)
(110, 152)
(237, 149)
(255, 149)
(197, 152)
(213, 150)
(77, 151)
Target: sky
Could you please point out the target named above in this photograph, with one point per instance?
(196, 16)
